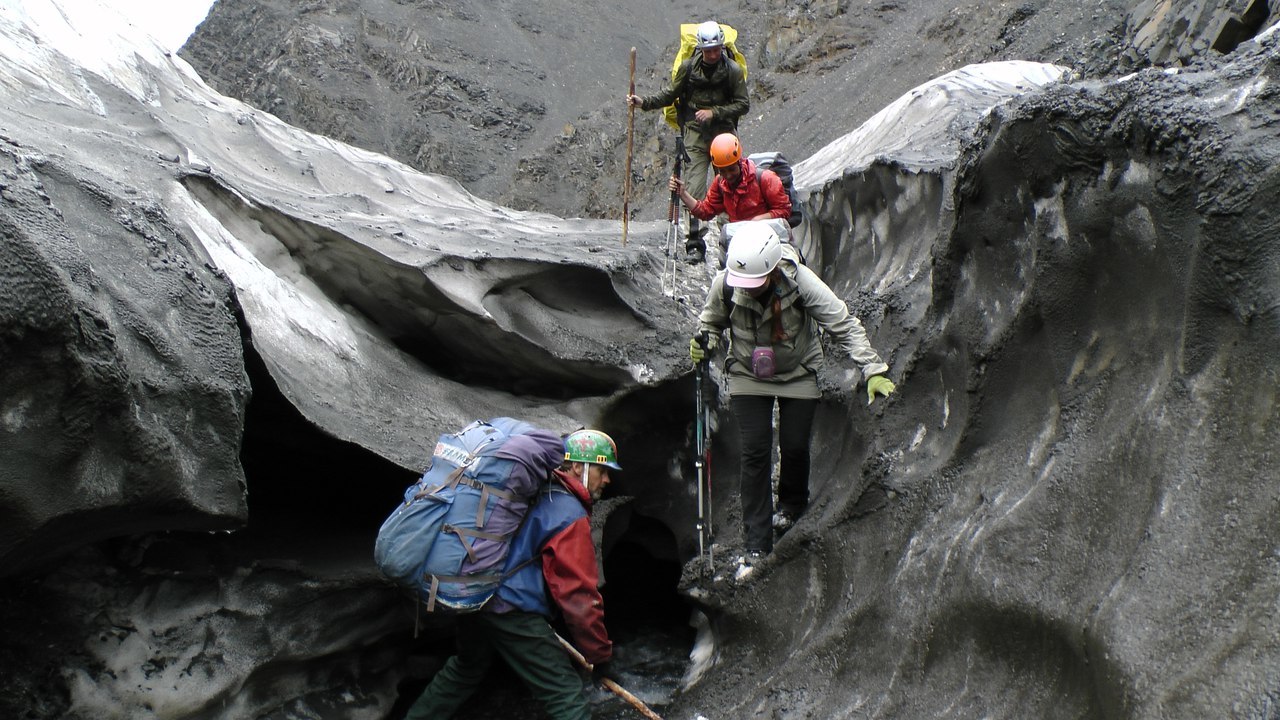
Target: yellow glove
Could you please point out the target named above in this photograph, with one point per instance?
(879, 385)
(697, 353)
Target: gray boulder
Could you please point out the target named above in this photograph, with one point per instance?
(123, 387)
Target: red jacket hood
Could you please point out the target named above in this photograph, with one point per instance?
(578, 489)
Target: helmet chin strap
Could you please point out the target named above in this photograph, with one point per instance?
(586, 473)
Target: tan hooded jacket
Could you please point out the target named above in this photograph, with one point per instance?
(807, 306)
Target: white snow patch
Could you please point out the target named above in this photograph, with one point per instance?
(703, 655)
(921, 432)
(49, 38)
(916, 129)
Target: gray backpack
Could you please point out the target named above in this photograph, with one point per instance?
(780, 167)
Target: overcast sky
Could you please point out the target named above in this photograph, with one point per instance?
(169, 21)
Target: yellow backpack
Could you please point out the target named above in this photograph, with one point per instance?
(688, 39)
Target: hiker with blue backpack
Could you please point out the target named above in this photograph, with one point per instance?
(550, 571)
(773, 308)
(709, 93)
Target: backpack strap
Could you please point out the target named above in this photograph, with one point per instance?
(431, 595)
(760, 184)
(436, 580)
(458, 477)
(464, 533)
(791, 196)
(682, 99)
(726, 294)
(461, 533)
(486, 491)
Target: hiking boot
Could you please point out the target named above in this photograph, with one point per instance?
(783, 520)
(695, 247)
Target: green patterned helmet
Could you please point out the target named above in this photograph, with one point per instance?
(591, 446)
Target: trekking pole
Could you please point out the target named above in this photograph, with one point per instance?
(699, 461)
(673, 216)
(609, 685)
(681, 157)
(631, 124)
(706, 466)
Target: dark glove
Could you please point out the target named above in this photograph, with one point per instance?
(603, 671)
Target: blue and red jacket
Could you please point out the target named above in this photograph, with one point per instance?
(557, 531)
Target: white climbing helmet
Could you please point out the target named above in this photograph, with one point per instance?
(710, 35)
(753, 254)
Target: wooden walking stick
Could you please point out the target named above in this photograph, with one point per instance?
(631, 124)
(610, 685)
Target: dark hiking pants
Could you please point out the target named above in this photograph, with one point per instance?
(754, 414)
(528, 644)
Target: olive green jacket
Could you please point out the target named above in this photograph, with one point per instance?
(721, 88)
(808, 306)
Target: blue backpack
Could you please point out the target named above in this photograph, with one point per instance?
(448, 541)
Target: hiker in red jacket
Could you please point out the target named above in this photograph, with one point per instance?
(551, 570)
(740, 189)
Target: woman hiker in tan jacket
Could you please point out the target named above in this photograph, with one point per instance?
(773, 307)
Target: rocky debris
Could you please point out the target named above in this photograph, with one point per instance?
(468, 91)
(1167, 33)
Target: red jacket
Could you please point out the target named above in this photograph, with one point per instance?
(757, 192)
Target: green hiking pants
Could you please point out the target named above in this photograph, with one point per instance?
(695, 173)
(528, 644)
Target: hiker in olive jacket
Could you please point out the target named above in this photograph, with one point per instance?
(773, 307)
(710, 94)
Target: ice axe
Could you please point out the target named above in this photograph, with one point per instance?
(631, 124)
(608, 684)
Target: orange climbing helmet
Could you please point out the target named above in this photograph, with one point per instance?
(725, 150)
